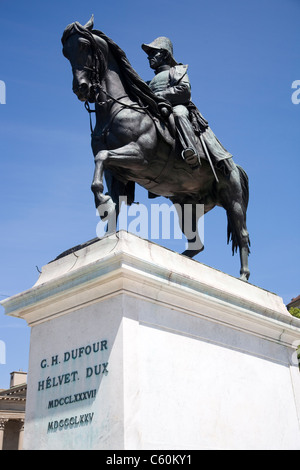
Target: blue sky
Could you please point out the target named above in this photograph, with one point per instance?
(243, 58)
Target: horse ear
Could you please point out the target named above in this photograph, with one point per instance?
(89, 25)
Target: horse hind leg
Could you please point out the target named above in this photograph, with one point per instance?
(233, 196)
(189, 215)
(238, 234)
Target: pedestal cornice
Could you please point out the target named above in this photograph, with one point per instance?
(123, 262)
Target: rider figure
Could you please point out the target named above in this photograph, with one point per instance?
(171, 82)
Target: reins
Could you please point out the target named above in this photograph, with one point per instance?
(135, 107)
(115, 100)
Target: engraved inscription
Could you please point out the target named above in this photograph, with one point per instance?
(85, 362)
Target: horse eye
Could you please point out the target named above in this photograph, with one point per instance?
(83, 45)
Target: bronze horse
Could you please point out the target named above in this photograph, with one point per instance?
(133, 143)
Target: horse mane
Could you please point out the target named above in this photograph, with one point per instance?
(137, 89)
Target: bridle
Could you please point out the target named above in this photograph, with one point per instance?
(95, 70)
(96, 85)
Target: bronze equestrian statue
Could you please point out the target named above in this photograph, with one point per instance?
(152, 134)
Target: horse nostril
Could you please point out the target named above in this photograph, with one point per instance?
(83, 87)
(81, 90)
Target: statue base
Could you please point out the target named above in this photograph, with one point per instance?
(136, 347)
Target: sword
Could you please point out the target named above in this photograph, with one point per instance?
(208, 157)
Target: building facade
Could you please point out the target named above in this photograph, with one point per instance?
(295, 302)
(12, 412)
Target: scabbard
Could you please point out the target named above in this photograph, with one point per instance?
(208, 157)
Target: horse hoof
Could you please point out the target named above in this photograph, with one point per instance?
(245, 276)
(105, 206)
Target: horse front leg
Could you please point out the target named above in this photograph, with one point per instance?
(103, 202)
(125, 157)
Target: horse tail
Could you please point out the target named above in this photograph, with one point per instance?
(245, 186)
(231, 232)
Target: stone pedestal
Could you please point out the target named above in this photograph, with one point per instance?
(136, 347)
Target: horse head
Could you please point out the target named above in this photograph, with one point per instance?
(87, 54)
